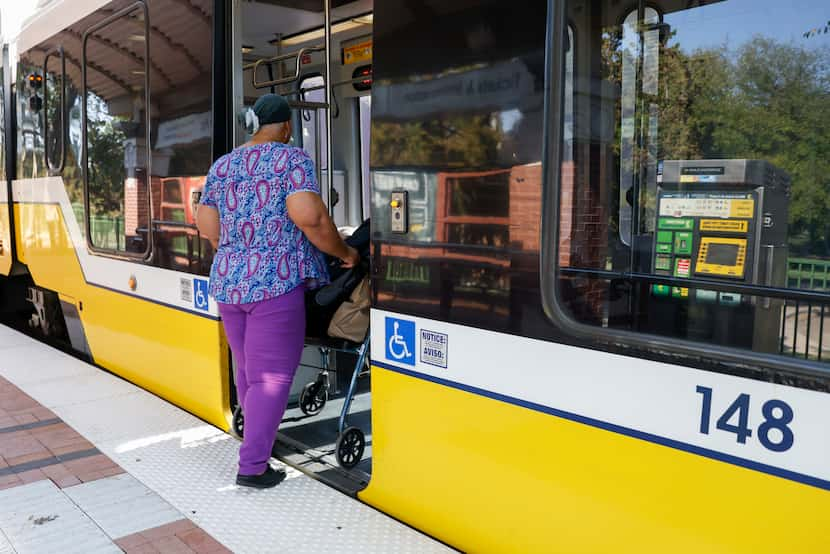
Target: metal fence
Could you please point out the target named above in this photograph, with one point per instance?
(107, 231)
(803, 325)
(803, 330)
(804, 273)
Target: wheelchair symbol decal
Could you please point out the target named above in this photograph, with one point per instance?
(400, 340)
(200, 294)
(397, 345)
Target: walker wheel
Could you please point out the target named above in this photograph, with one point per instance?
(349, 448)
(238, 422)
(313, 398)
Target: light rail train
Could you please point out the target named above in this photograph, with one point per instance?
(600, 254)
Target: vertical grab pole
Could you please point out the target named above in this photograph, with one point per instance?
(318, 155)
(328, 91)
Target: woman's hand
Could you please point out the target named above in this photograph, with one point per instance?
(351, 259)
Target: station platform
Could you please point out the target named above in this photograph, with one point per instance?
(91, 463)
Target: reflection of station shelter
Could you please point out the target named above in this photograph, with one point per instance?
(483, 90)
(449, 232)
(512, 196)
(459, 223)
(174, 218)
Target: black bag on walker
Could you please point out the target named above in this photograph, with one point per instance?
(323, 302)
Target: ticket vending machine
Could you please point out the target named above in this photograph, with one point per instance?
(723, 220)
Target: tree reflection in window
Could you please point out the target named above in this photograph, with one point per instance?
(116, 145)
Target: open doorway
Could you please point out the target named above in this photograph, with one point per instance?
(280, 47)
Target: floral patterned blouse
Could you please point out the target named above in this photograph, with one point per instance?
(261, 253)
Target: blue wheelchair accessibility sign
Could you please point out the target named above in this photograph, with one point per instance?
(400, 341)
(200, 294)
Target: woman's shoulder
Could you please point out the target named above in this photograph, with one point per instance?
(295, 153)
(222, 164)
(221, 160)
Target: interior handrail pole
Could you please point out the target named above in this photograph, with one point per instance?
(328, 91)
(318, 156)
(296, 56)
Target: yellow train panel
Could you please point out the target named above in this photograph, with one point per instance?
(5, 240)
(173, 353)
(488, 476)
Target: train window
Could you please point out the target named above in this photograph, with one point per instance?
(172, 191)
(116, 132)
(364, 107)
(568, 104)
(692, 199)
(54, 110)
(2, 123)
(182, 131)
(314, 121)
(46, 122)
(635, 68)
(479, 196)
(28, 94)
(460, 130)
(144, 162)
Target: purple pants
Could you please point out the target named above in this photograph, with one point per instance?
(266, 339)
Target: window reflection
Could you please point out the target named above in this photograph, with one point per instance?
(314, 121)
(461, 133)
(119, 158)
(116, 145)
(365, 117)
(2, 125)
(662, 86)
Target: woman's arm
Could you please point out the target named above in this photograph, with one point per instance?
(307, 211)
(207, 221)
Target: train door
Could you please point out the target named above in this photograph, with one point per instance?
(6, 246)
(13, 280)
(113, 117)
(284, 47)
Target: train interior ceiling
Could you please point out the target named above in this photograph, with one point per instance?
(281, 29)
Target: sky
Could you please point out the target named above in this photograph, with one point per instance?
(736, 21)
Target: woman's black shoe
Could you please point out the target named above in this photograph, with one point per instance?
(269, 478)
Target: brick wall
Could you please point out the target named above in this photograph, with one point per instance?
(566, 213)
(155, 184)
(136, 211)
(583, 241)
(526, 207)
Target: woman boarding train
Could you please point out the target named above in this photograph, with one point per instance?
(262, 210)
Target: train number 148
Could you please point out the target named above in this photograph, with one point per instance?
(774, 432)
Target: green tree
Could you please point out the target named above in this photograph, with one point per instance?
(779, 111)
(765, 100)
(106, 173)
(466, 141)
